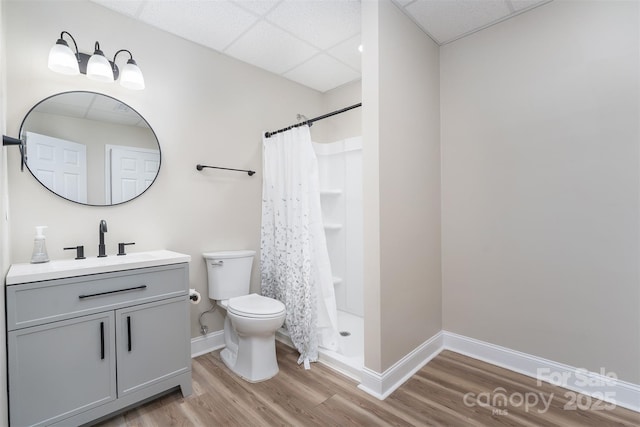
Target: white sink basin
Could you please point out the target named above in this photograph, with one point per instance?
(24, 273)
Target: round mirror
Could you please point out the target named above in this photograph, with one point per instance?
(90, 148)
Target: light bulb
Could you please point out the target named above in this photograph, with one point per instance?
(99, 67)
(131, 76)
(62, 59)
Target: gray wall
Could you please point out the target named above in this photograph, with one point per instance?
(204, 107)
(541, 185)
(371, 185)
(401, 160)
(344, 125)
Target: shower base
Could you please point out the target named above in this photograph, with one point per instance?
(349, 360)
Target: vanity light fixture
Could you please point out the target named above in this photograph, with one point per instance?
(96, 66)
(62, 59)
(131, 76)
(99, 68)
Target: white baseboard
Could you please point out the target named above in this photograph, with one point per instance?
(284, 338)
(598, 385)
(207, 343)
(382, 385)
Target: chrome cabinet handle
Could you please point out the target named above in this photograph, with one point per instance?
(135, 288)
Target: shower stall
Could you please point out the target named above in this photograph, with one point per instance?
(340, 183)
(340, 175)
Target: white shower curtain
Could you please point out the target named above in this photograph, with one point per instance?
(294, 262)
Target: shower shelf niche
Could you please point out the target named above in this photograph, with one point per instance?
(331, 192)
(332, 226)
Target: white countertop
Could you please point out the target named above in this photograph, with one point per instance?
(58, 269)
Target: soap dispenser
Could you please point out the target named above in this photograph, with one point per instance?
(39, 246)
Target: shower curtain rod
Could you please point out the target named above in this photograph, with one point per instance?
(315, 119)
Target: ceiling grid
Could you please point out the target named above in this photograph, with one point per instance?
(312, 42)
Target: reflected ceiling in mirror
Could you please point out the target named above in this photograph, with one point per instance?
(90, 148)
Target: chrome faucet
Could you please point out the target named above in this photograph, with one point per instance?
(102, 229)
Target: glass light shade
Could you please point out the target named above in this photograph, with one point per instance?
(131, 76)
(99, 69)
(62, 60)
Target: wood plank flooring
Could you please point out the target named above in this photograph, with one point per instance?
(435, 396)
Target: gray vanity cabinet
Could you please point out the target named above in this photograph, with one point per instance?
(61, 368)
(81, 348)
(144, 356)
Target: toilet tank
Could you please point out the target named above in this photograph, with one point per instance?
(229, 273)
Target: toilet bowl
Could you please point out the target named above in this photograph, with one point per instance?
(251, 320)
(250, 327)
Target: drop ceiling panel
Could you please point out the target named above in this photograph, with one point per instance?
(214, 24)
(271, 48)
(323, 73)
(348, 52)
(116, 112)
(71, 99)
(113, 117)
(322, 24)
(260, 7)
(130, 8)
(446, 20)
(62, 109)
(290, 37)
(519, 5)
(79, 105)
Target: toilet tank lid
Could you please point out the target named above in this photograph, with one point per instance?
(229, 254)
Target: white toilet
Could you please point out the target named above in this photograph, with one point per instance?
(251, 321)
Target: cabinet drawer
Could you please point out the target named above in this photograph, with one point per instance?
(35, 303)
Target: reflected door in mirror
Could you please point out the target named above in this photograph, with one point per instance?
(60, 165)
(131, 170)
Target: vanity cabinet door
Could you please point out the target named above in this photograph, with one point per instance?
(61, 368)
(152, 343)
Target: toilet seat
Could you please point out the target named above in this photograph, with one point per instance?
(255, 306)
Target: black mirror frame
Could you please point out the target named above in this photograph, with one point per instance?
(24, 154)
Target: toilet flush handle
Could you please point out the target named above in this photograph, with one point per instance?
(217, 263)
